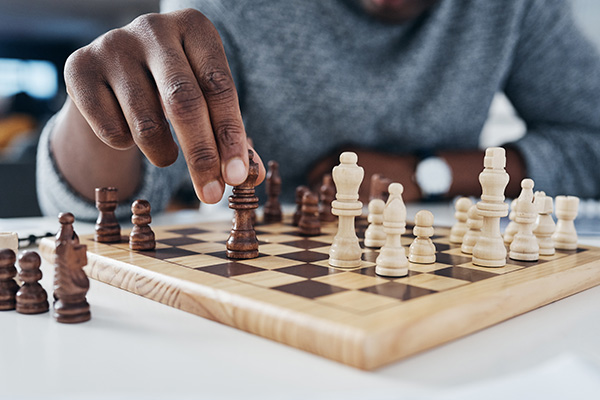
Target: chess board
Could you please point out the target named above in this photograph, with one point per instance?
(289, 293)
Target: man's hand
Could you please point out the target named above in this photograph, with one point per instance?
(130, 81)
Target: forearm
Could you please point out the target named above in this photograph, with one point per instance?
(86, 162)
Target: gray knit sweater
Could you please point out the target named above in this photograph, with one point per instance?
(317, 75)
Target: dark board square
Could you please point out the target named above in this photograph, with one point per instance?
(188, 231)
(168, 252)
(398, 291)
(305, 256)
(223, 255)
(230, 269)
(179, 241)
(307, 270)
(304, 244)
(309, 289)
(441, 246)
(370, 256)
(464, 274)
(451, 259)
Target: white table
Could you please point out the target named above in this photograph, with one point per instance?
(137, 348)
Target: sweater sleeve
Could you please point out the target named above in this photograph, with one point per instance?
(554, 84)
(55, 195)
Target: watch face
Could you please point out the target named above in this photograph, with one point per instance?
(433, 176)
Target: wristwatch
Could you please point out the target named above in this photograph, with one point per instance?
(434, 177)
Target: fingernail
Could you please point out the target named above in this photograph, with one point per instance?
(235, 172)
(212, 192)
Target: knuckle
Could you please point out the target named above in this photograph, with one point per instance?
(217, 82)
(193, 17)
(148, 129)
(113, 134)
(229, 133)
(77, 66)
(182, 97)
(203, 159)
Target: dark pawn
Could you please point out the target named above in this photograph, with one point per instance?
(379, 187)
(242, 242)
(327, 194)
(300, 190)
(309, 223)
(141, 237)
(70, 283)
(8, 286)
(31, 298)
(66, 231)
(107, 226)
(273, 207)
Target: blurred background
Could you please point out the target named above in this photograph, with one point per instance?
(36, 37)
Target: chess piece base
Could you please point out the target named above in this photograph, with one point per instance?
(73, 313)
(38, 308)
(391, 272)
(514, 255)
(489, 263)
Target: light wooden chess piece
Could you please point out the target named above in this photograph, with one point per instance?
(524, 246)
(474, 223)
(512, 228)
(489, 251)
(422, 249)
(460, 228)
(392, 259)
(545, 226)
(565, 236)
(9, 240)
(345, 251)
(374, 235)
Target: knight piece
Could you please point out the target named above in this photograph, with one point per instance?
(70, 283)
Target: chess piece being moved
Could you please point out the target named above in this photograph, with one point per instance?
(31, 297)
(422, 249)
(490, 250)
(375, 235)
(565, 235)
(272, 209)
(392, 259)
(460, 228)
(345, 251)
(8, 286)
(512, 228)
(141, 236)
(242, 242)
(107, 226)
(474, 223)
(326, 195)
(70, 283)
(524, 246)
(378, 188)
(545, 226)
(309, 224)
(300, 190)
(66, 231)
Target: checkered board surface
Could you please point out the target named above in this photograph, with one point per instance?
(291, 295)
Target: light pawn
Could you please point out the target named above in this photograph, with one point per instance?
(524, 246)
(565, 236)
(375, 235)
(392, 259)
(422, 249)
(512, 228)
(545, 226)
(474, 223)
(460, 228)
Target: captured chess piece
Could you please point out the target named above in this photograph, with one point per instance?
(242, 242)
(300, 190)
(545, 226)
(565, 235)
(474, 223)
(490, 250)
(8, 286)
(460, 228)
(309, 224)
(378, 188)
(327, 195)
(512, 228)
(272, 209)
(524, 246)
(392, 259)
(31, 297)
(422, 249)
(70, 283)
(107, 226)
(375, 235)
(141, 236)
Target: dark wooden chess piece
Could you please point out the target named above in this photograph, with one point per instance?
(66, 231)
(141, 237)
(379, 187)
(31, 297)
(107, 226)
(70, 283)
(272, 206)
(242, 242)
(300, 190)
(8, 286)
(327, 195)
(309, 223)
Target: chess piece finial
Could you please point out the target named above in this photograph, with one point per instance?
(327, 195)
(422, 249)
(345, 251)
(8, 286)
(31, 297)
(392, 259)
(141, 236)
(309, 223)
(545, 226)
(108, 229)
(565, 236)
(460, 228)
(524, 246)
(375, 235)
(70, 283)
(272, 209)
(474, 223)
(300, 190)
